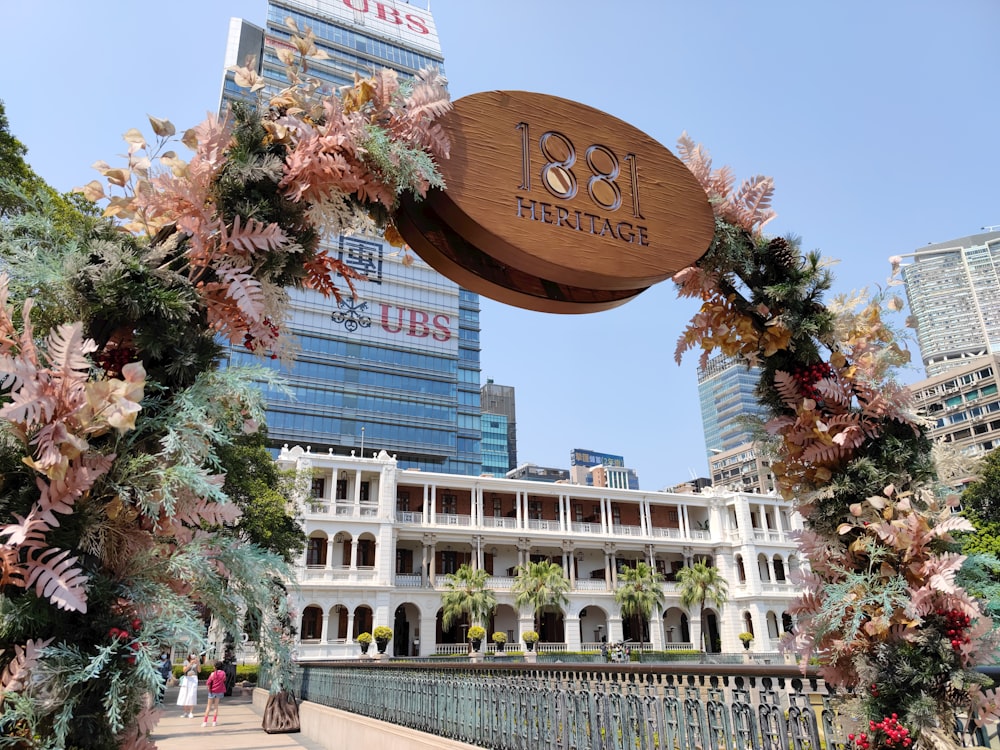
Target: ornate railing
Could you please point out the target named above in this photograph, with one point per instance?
(593, 707)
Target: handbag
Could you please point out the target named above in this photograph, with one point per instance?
(281, 715)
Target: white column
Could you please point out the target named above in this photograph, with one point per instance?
(519, 517)
(350, 625)
(433, 570)
(324, 632)
(770, 568)
(357, 491)
(685, 523)
(329, 553)
(354, 554)
(423, 565)
(425, 515)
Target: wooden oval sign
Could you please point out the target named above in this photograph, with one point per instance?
(555, 205)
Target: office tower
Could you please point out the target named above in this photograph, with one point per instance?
(397, 368)
(963, 405)
(614, 473)
(726, 392)
(499, 428)
(953, 289)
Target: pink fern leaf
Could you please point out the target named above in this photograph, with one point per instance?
(939, 571)
(29, 530)
(11, 570)
(245, 290)
(253, 235)
(950, 524)
(15, 674)
(33, 403)
(55, 577)
(787, 387)
(750, 206)
(67, 350)
(985, 705)
(923, 600)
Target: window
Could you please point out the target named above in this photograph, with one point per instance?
(578, 512)
(365, 490)
(312, 624)
(449, 562)
(316, 551)
(366, 553)
(341, 489)
(319, 487)
(535, 509)
(402, 500)
(497, 506)
(404, 562)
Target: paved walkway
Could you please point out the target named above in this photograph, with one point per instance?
(239, 727)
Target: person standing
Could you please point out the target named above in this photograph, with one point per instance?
(187, 698)
(216, 686)
(165, 669)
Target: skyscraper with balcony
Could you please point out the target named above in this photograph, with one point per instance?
(953, 289)
(396, 368)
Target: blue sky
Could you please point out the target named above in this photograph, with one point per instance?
(878, 122)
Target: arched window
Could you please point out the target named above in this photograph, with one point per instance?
(362, 620)
(747, 623)
(316, 552)
(779, 570)
(786, 622)
(312, 624)
(765, 574)
(772, 625)
(740, 569)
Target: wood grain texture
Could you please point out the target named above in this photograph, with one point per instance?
(501, 137)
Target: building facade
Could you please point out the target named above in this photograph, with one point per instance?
(499, 401)
(742, 469)
(582, 462)
(398, 365)
(382, 540)
(953, 289)
(962, 405)
(726, 394)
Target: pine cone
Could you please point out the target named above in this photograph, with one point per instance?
(781, 253)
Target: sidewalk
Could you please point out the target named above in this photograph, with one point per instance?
(239, 727)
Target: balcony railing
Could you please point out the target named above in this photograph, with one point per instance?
(514, 706)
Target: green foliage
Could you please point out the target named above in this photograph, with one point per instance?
(364, 638)
(698, 584)
(261, 491)
(540, 585)
(745, 637)
(529, 636)
(465, 594)
(246, 672)
(382, 633)
(640, 591)
(499, 636)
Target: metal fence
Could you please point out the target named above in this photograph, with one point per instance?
(594, 707)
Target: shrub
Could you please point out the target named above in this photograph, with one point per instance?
(499, 637)
(745, 637)
(529, 636)
(382, 633)
(366, 637)
(477, 633)
(247, 673)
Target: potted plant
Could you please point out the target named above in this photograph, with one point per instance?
(747, 638)
(500, 639)
(364, 640)
(530, 638)
(476, 635)
(383, 635)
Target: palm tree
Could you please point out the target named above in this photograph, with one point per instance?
(640, 591)
(540, 585)
(466, 594)
(698, 584)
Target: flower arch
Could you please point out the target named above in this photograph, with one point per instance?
(112, 412)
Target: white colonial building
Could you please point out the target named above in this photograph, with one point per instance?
(382, 539)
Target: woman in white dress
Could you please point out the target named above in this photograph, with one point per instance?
(187, 697)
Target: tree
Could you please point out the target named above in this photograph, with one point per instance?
(698, 584)
(640, 591)
(255, 484)
(466, 594)
(980, 573)
(540, 585)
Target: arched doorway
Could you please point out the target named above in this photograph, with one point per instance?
(312, 623)
(406, 630)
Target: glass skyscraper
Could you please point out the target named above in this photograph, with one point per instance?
(396, 368)
(953, 289)
(726, 393)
